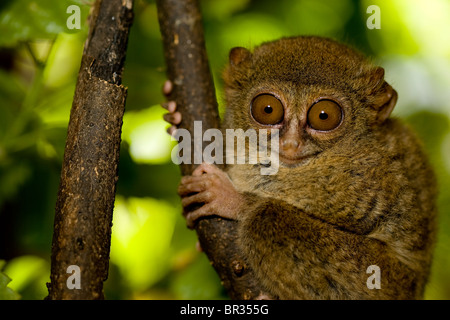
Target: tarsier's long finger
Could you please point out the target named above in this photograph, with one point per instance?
(205, 168)
(198, 247)
(171, 130)
(198, 186)
(191, 179)
(193, 216)
(201, 197)
(167, 87)
(170, 106)
(173, 118)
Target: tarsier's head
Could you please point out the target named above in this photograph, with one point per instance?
(316, 91)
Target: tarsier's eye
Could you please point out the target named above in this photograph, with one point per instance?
(266, 109)
(324, 115)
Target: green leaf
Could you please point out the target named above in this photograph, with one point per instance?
(140, 242)
(25, 20)
(5, 292)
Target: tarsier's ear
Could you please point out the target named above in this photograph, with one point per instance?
(384, 97)
(238, 55)
(236, 71)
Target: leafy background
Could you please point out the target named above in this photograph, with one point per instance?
(153, 255)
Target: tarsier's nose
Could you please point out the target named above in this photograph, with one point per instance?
(290, 147)
(288, 144)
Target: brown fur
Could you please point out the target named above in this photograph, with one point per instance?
(365, 195)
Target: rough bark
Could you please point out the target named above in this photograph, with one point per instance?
(83, 213)
(188, 69)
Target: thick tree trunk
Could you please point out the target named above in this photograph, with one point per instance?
(83, 214)
(188, 69)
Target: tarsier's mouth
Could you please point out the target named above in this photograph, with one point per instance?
(294, 161)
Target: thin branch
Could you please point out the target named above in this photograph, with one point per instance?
(188, 69)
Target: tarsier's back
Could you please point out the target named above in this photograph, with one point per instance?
(353, 196)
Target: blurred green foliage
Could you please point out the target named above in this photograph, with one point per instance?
(153, 254)
(5, 292)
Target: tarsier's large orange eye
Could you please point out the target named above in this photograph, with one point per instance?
(324, 115)
(267, 110)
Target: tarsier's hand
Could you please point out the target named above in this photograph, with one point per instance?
(210, 186)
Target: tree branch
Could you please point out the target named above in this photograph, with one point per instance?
(188, 69)
(83, 214)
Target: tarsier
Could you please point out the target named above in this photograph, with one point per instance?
(354, 188)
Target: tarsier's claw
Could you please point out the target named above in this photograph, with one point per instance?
(198, 247)
(173, 118)
(167, 87)
(170, 106)
(172, 130)
(263, 296)
(191, 219)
